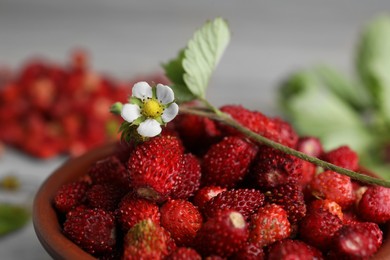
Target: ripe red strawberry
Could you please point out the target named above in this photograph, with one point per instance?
(357, 241)
(91, 229)
(343, 156)
(132, 210)
(188, 181)
(197, 133)
(70, 195)
(104, 196)
(290, 197)
(250, 251)
(333, 186)
(274, 129)
(206, 193)
(184, 253)
(374, 205)
(182, 219)
(310, 145)
(245, 201)
(273, 167)
(147, 240)
(293, 249)
(227, 162)
(318, 227)
(222, 235)
(110, 170)
(268, 225)
(154, 167)
(326, 205)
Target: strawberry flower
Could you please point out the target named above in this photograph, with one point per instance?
(149, 108)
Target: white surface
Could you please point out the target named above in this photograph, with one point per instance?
(270, 39)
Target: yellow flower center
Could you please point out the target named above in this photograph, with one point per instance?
(152, 108)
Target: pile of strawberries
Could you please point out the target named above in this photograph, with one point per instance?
(202, 190)
(48, 109)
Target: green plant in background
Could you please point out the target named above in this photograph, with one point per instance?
(322, 102)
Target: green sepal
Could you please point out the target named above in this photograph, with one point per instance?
(136, 101)
(116, 108)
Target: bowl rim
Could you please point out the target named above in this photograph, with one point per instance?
(44, 216)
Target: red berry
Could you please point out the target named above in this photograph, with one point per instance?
(91, 229)
(245, 201)
(343, 156)
(110, 170)
(250, 251)
(188, 181)
(227, 162)
(70, 195)
(273, 167)
(318, 227)
(333, 186)
(268, 225)
(374, 205)
(293, 249)
(222, 235)
(326, 205)
(310, 145)
(132, 210)
(184, 253)
(154, 167)
(104, 196)
(290, 197)
(182, 219)
(147, 240)
(357, 241)
(206, 193)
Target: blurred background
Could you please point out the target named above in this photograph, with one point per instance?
(112, 43)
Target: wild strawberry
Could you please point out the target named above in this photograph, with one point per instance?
(293, 249)
(274, 129)
(357, 241)
(182, 219)
(245, 201)
(291, 198)
(184, 253)
(154, 167)
(197, 133)
(222, 235)
(132, 210)
(343, 156)
(110, 170)
(104, 196)
(374, 205)
(318, 227)
(333, 186)
(268, 225)
(70, 195)
(147, 240)
(206, 193)
(91, 229)
(310, 145)
(227, 162)
(188, 181)
(250, 251)
(326, 205)
(273, 167)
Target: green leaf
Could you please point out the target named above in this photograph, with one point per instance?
(12, 218)
(373, 62)
(349, 91)
(203, 54)
(317, 112)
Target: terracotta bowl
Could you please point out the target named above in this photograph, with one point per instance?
(45, 219)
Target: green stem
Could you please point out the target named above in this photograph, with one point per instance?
(226, 119)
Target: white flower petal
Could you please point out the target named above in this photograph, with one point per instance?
(142, 90)
(164, 94)
(170, 112)
(149, 128)
(130, 112)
